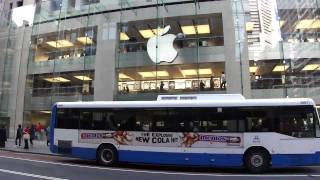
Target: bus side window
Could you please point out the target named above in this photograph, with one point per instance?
(68, 119)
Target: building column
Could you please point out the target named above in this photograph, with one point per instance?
(236, 53)
(104, 81)
(18, 79)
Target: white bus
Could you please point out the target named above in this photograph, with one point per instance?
(190, 130)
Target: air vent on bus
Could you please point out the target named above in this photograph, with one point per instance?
(188, 97)
(203, 97)
(169, 98)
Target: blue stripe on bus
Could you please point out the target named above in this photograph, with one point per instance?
(52, 126)
(281, 160)
(196, 159)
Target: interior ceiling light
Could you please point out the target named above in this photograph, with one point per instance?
(57, 79)
(60, 44)
(249, 26)
(85, 40)
(83, 78)
(311, 67)
(162, 73)
(281, 23)
(280, 68)
(124, 37)
(188, 30)
(124, 76)
(46, 112)
(147, 74)
(253, 69)
(146, 33)
(207, 71)
(189, 72)
(154, 74)
(203, 29)
(308, 24)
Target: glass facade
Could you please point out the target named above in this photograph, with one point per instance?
(193, 62)
(81, 50)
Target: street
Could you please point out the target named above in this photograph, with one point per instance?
(25, 166)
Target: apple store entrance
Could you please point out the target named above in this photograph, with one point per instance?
(174, 55)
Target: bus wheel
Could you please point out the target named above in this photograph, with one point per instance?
(257, 161)
(107, 155)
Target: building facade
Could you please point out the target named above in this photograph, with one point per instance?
(84, 50)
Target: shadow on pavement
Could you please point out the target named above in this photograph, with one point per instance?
(193, 169)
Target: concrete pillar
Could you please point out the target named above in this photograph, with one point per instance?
(236, 53)
(104, 82)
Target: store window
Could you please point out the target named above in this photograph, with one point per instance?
(71, 44)
(178, 54)
(170, 79)
(61, 84)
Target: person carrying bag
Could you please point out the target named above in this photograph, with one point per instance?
(26, 137)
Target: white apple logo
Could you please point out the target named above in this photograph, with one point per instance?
(160, 48)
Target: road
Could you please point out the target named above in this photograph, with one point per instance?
(22, 166)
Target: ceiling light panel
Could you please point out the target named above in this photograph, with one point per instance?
(57, 79)
(124, 36)
(280, 68)
(311, 67)
(85, 40)
(207, 71)
(189, 72)
(83, 78)
(146, 33)
(188, 30)
(203, 29)
(253, 69)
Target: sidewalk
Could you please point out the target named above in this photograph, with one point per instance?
(39, 147)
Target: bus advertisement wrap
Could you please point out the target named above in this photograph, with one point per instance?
(166, 139)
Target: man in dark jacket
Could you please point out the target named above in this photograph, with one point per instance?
(3, 137)
(19, 135)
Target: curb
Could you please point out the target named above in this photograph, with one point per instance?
(29, 152)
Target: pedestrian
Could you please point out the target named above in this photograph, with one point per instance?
(211, 83)
(161, 86)
(127, 89)
(202, 85)
(3, 137)
(26, 137)
(223, 81)
(32, 134)
(48, 135)
(39, 129)
(19, 135)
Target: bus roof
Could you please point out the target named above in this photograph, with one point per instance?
(189, 103)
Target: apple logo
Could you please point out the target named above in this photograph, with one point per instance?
(160, 48)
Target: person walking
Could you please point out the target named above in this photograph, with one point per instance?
(32, 134)
(223, 81)
(48, 135)
(26, 137)
(211, 83)
(3, 137)
(19, 135)
(161, 86)
(202, 85)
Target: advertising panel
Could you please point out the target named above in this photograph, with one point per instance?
(163, 139)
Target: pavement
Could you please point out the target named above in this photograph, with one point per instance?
(38, 147)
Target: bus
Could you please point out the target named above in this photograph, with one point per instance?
(190, 130)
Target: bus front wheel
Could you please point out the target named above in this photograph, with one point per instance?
(107, 155)
(257, 160)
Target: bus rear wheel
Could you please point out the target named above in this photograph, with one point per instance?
(257, 161)
(107, 155)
